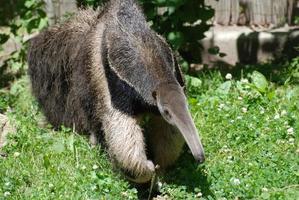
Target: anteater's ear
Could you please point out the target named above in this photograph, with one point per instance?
(178, 73)
(122, 53)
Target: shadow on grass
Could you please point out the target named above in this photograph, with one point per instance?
(187, 174)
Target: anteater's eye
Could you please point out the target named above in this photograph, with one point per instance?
(167, 114)
(154, 94)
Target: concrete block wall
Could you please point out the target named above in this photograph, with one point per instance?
(246, 46)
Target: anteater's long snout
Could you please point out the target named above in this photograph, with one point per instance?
(172, 105)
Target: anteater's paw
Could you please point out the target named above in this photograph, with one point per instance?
(147, 171)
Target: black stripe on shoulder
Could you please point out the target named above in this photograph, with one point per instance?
(123, 96)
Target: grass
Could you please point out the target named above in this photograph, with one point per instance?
(249, 127)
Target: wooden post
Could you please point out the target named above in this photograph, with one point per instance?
(222, 16)
(235, 12)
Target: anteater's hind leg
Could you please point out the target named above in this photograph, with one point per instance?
(93, 139)
(126, 145)
(165, 142)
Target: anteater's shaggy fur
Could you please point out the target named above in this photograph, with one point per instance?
(98, 72)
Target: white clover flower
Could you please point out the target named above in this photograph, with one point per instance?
(124, 194)
(276, 116)
(280, 141)
(221, 105)
(199, 194)
(93, 188)
(228, 76)
(244, 80)
(225, 149)
(6, 194)
(95, 167)
(284, 112)
(265, 189)
(244, 110)
(223, 198)
(286, 123)
(239, 117)
(16, 154)
(235, 181)
(290, 131)
(240, 98)
(83, 167)
(291, 140)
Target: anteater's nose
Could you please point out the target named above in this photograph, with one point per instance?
(200, 158)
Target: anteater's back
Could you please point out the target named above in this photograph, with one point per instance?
(51, 57)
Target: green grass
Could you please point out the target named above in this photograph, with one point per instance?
(249, 127)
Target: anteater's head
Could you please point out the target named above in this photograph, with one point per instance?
(146, 62)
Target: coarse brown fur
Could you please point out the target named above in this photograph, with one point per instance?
(99, 72)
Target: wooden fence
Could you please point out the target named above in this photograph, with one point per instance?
(267, 13)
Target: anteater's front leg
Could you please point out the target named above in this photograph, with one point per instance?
(165, 142)
(126, 145)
